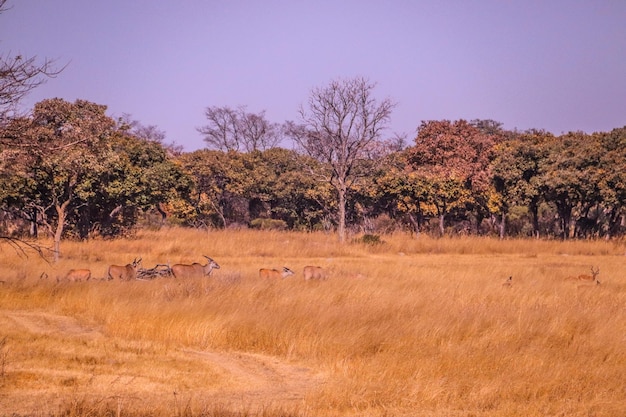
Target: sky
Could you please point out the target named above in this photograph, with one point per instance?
(558, 65)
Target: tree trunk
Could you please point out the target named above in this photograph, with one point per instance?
(342, 213)
(34, 231)
(61, 214)
(503, 225)
(534, 209)
(162, 213)
(442, 222)
(565, 214)
(416, 224)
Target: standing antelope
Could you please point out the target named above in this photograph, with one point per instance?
(592, 278)
(589, 281)
(275, 273)
(78, 275)
(126, 272)
(195, 269)
(313, 272)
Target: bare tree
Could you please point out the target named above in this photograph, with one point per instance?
(257, 134)
(222, 132)
(19, 75)
(341, 128)
(237, 130)
(149, 133)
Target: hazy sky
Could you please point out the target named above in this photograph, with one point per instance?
(558, 65)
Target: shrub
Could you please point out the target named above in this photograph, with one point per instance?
(369, 239)
(268, 224)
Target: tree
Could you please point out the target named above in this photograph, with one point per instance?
(401, 190)
(454, 158)
(237, 130)
(19, 75)
(516, 171)
(286, 192)
(612, 178)
(60, 152)
(140, 177)
(342, 127)
(222, 181)
(570, 177)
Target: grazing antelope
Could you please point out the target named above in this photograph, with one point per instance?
(275, 273)
(125, 273)
(313, 272)
(195, 269)
(78, 275)
(508, 282)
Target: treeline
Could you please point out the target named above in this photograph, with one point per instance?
(72, 171)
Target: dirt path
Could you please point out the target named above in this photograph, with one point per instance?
(236, 380)
(45, 323)
(254, 379)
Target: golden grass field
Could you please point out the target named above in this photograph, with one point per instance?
(411, 327)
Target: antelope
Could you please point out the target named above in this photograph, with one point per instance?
(592, 278)
(275, 273)
(313, 272)
(195, 269)
(508, 282)
(126, 272)
(78, 275)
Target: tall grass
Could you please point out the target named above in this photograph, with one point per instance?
(407, 327)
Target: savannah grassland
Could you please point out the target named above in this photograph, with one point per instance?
(410, 327)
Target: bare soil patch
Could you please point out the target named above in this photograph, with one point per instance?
(69, 361)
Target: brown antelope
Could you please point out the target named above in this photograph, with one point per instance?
(313, 272)
(78, 275)
(195, 269)
(508, 282)
(125, 273)
(591, 278)
(275, 273)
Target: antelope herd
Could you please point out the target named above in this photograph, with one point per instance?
(133, 271)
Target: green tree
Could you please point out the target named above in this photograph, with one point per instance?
(140, 177)
(516, 169)
(401, 191)
(570, 177)
(612, 178)
(286, 192)
(61, 154)
(220, 180)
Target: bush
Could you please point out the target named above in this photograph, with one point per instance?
(268, 224)
(368, 239)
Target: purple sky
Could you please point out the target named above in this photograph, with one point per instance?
(558, 65)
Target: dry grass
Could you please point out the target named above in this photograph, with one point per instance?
(408, 327)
